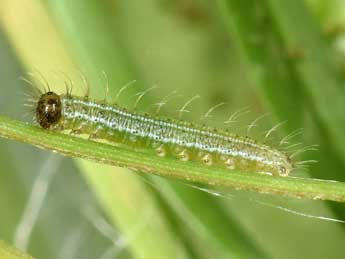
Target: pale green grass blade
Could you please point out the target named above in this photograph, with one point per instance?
(267, 50)
(35, 14)
(267, 64)
(319, 76)
(271, 64)
(205, 216)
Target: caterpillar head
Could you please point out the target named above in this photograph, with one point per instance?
(48, 110)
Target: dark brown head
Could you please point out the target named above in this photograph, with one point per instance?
(48, 111)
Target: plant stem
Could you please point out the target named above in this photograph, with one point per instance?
(189, 171)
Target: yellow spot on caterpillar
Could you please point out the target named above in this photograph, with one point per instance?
(230, 163)
(283, 171)
(184, 156)
(161, 151)
(207, 159)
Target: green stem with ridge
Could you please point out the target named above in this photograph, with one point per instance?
(169, 167)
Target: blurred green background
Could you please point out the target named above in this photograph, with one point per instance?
(280, 57)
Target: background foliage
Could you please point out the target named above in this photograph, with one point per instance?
(281, 57)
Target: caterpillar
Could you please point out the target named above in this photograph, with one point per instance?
(165, 137)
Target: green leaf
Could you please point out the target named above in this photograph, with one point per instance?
(318, 74)
(289, 63)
